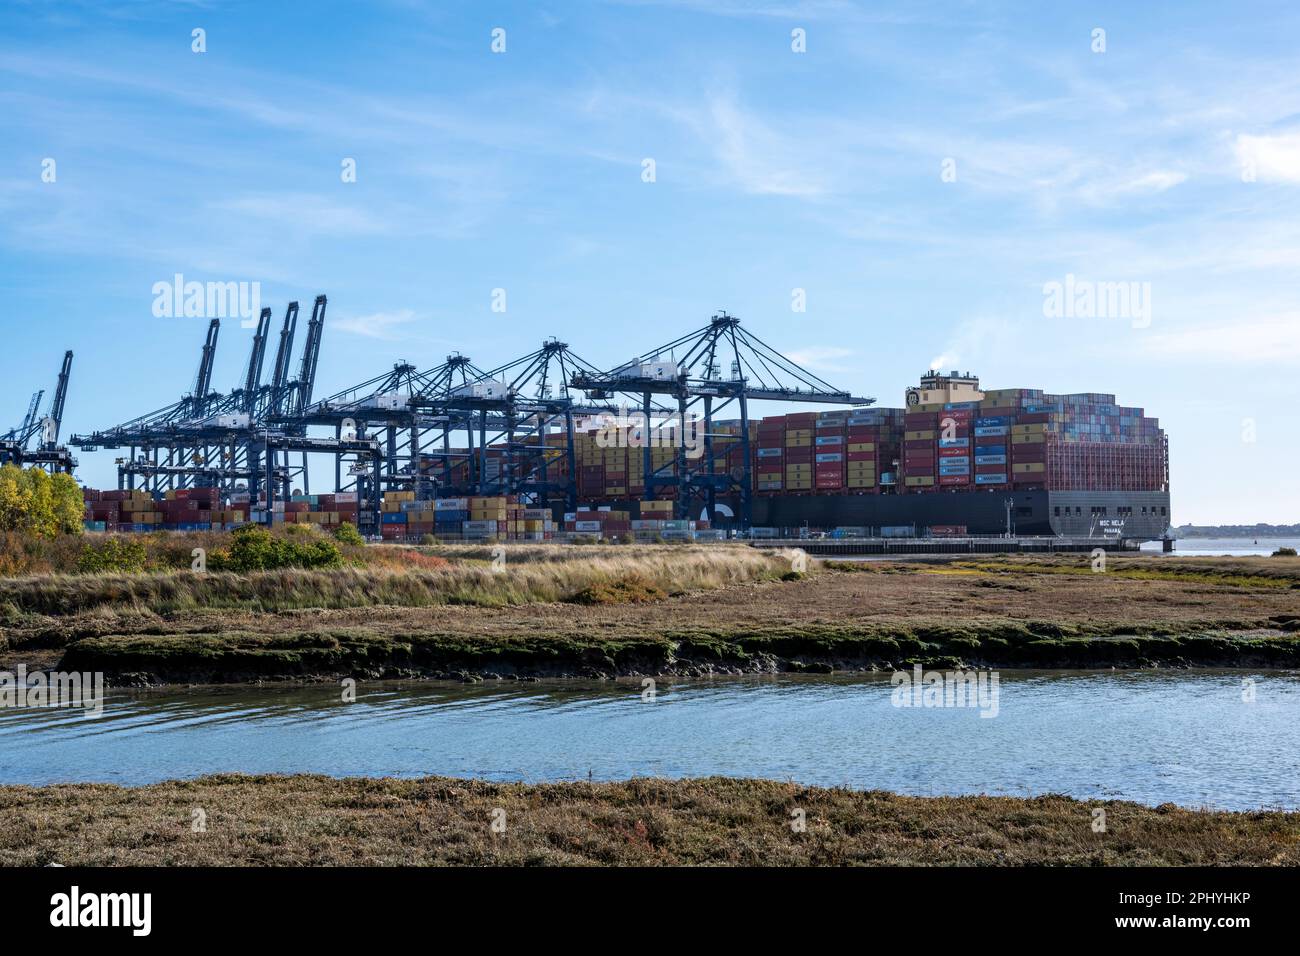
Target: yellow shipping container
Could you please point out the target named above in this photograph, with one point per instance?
(1028, 439)
(1029, 468)
(919, 435)
(918, 481)
(862, 446)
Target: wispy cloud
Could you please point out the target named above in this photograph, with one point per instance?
(1265, 341)
(1271, 158)
(376, 325)
(822, 358)
(756, 157)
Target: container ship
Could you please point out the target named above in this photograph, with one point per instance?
(959, 459)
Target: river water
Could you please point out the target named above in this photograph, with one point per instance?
(1237, 547)
(1183, 737)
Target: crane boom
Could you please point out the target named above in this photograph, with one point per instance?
(310, 356)
(60, 396)
(253, 378)
(280, 376)
(203, 381)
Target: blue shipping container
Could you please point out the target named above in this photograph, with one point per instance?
(991, 431)
(990, 459)
(993, 421)
(991, 479)
(990, 449)
(954, 442)
(393, 517)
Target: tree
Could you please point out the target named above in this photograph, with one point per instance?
(35, 503)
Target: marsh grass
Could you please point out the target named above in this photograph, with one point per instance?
(524, 578)
(321, 821)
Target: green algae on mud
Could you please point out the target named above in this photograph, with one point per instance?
(240, 656)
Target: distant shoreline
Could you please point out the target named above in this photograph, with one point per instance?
(1200, 532)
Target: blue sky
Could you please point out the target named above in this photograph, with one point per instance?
(774, 171)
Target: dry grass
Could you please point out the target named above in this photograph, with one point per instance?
(528, 575)
(320, 821)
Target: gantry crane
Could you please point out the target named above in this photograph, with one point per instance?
(690, 369)
(35, 443)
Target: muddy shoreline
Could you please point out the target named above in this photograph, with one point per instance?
(674, 660)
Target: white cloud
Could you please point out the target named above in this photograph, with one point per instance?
(315, 214)
(1272, 158)
(821, 358)
(1267, 340)
(377, 325)
(758, 159)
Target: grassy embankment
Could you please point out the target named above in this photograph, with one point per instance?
(671, 610)
(312, 820)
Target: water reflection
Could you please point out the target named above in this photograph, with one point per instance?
(1185, 737)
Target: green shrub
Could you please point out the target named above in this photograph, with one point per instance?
(1284, 553)
(425, 539)
(255, 549)
(113, 555)
(347, 533)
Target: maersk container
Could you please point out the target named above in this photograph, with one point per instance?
(989, 431)
(990, 459)
(898, 531)
(991, 479)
